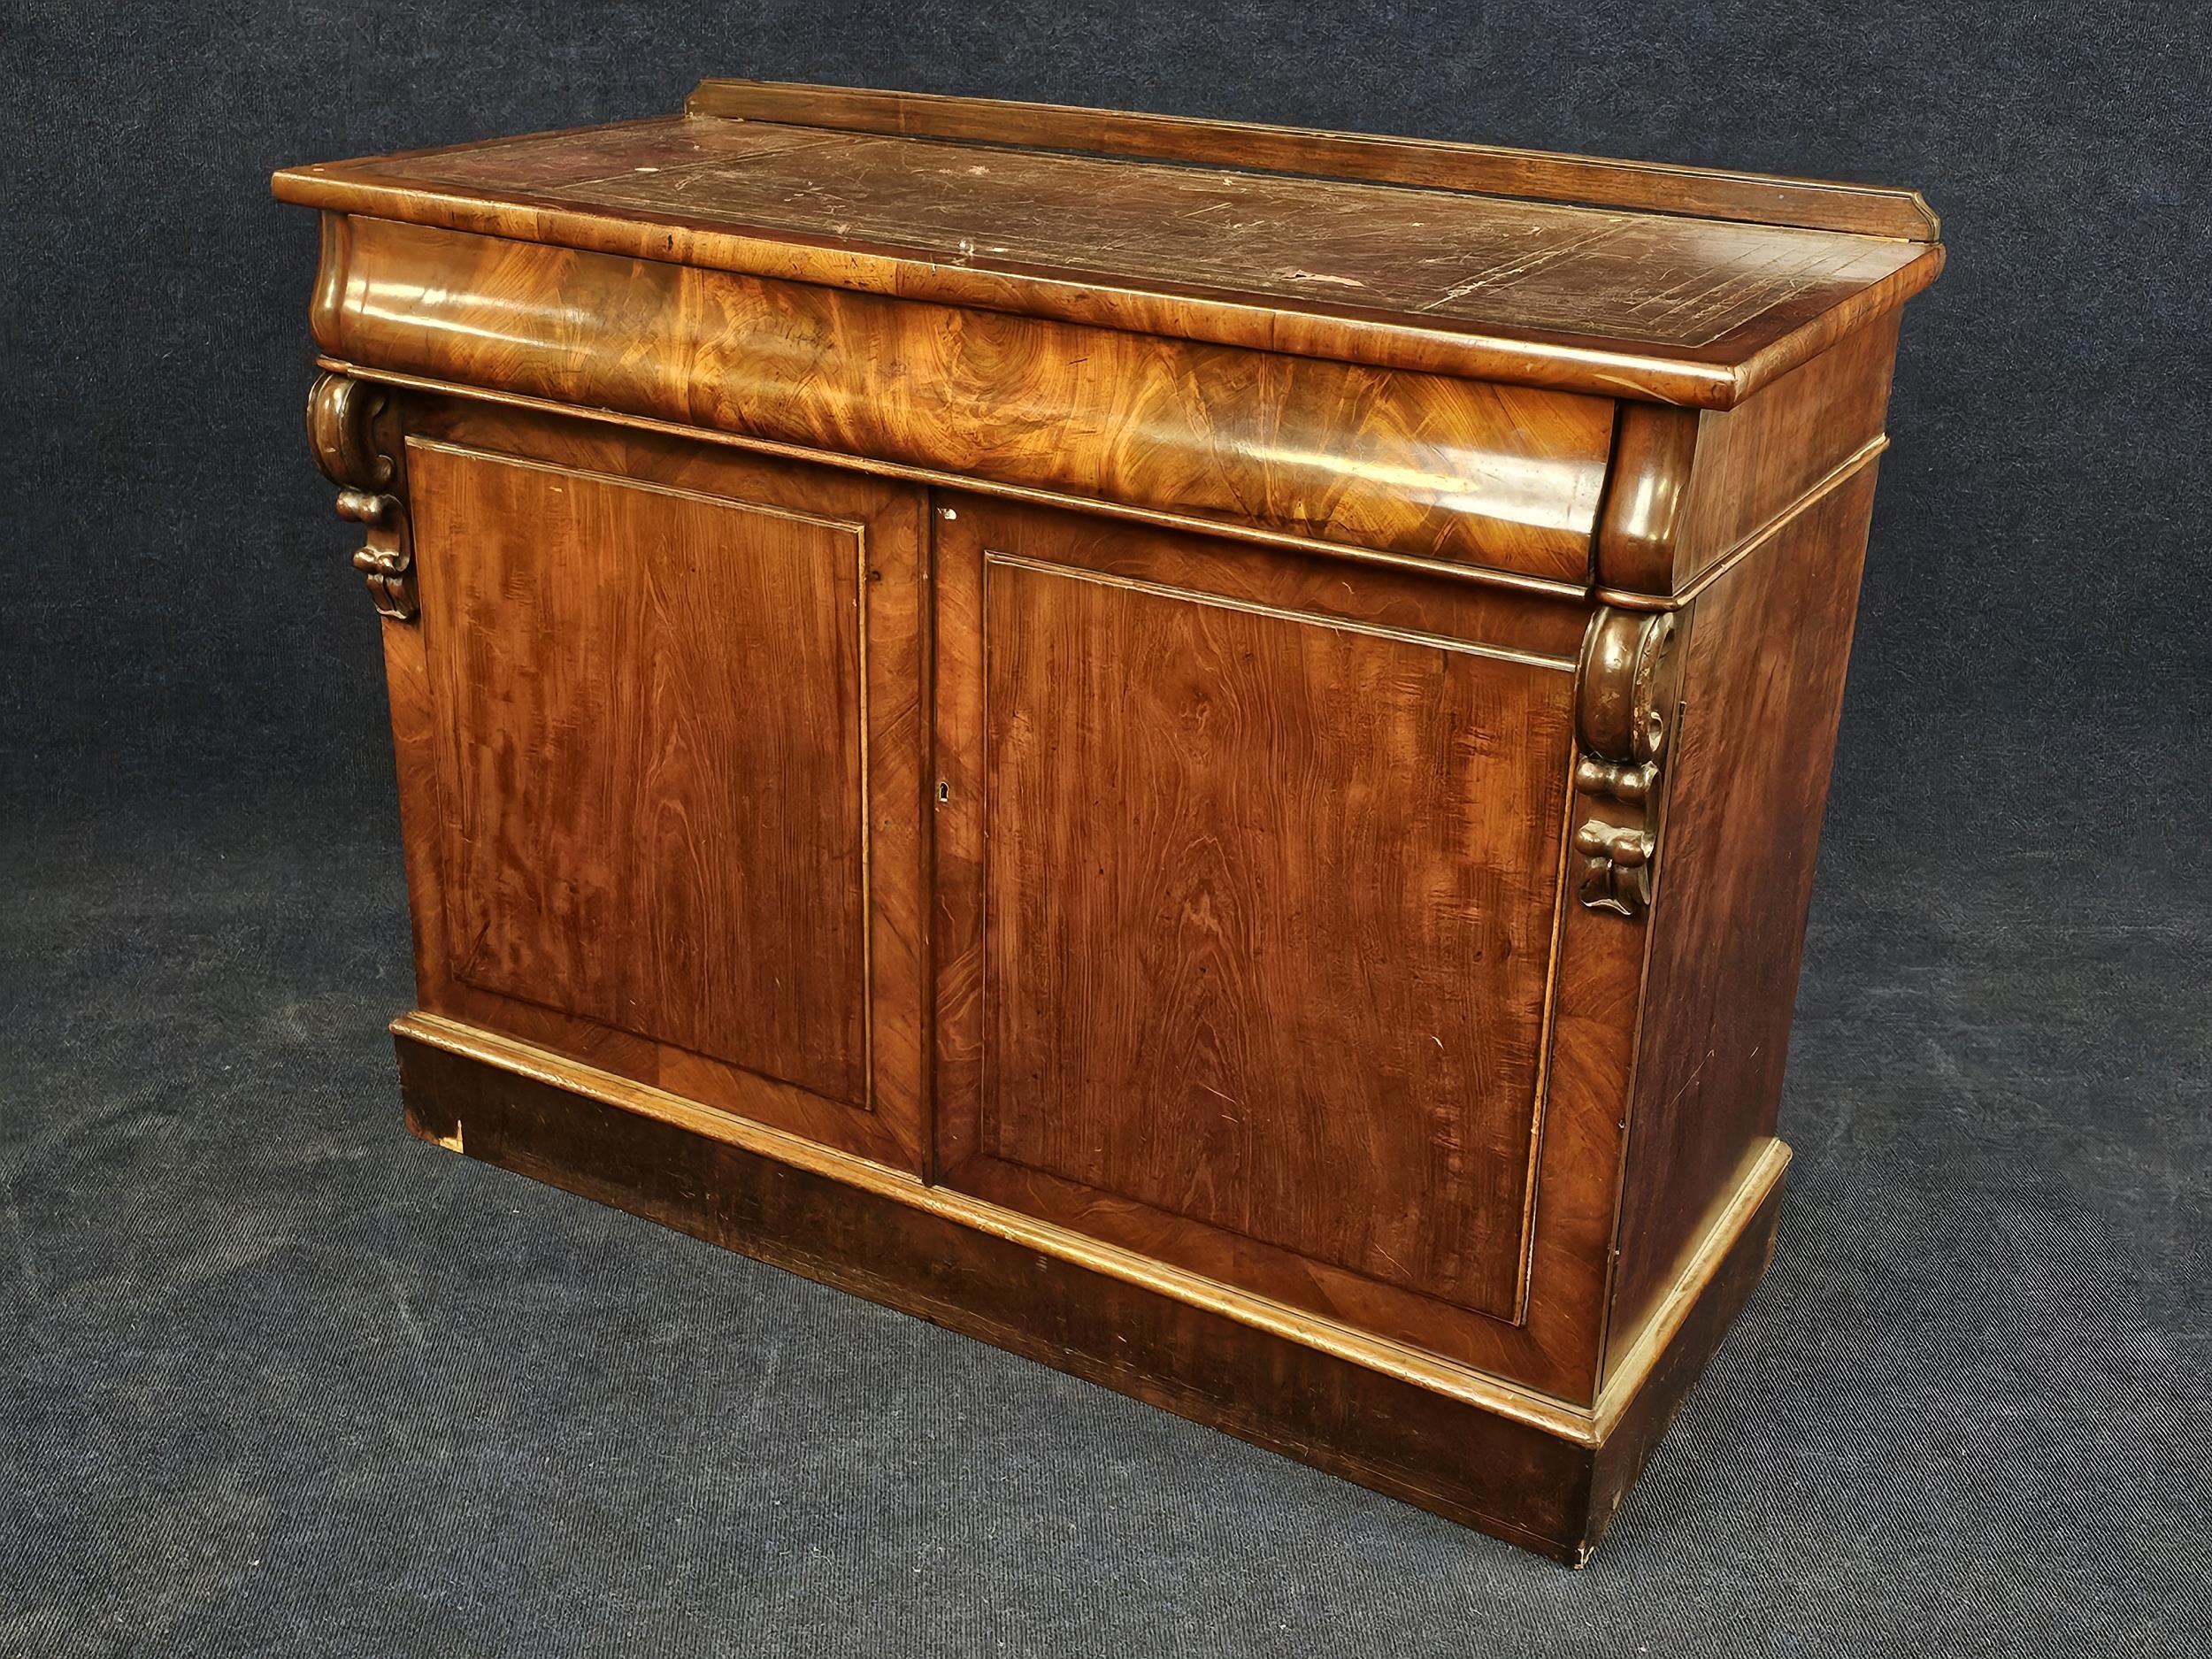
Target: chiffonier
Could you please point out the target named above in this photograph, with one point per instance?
(1192, 749)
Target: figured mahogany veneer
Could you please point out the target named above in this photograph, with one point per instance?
(1404, 463)
(1192, 749)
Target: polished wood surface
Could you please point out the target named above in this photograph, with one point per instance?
(672, 802)
(1216, 825)
(1651, 303)
(654, 768)
(1493, 170)
(1761, 693)
(354, 428)
(1209, 772)
(1383, 568)
(1691, 488)
(1489, 264)
(1320, 885)
(1413, 463)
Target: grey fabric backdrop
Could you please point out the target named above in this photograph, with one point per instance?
(277, 1379)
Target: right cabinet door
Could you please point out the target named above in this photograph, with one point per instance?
(1251, 874)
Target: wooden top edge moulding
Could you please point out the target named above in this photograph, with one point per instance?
(1671, 284)
(1491, 169)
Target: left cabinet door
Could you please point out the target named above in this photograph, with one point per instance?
(660, 743)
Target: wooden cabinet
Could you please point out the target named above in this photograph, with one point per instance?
(1209, 772)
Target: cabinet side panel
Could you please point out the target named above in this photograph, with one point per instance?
(1762, 694)
(1753, 462)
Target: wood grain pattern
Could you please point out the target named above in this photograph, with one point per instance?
(1249, 838)
(1755, 461)
(654, 764)
(1704, 192)
(415, 744)
(1655, 306)
(1309, 581)
(646, 772)
(1450, 259)
(1084, 843)
(1762, 690)
(1416, 463)
(1688, 488)
(1390, 568)
(1271, 909)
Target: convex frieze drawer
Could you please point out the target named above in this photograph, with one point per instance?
(1192, 749)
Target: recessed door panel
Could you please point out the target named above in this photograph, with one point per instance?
(676, 794)
(1266, 898)
(654, 750)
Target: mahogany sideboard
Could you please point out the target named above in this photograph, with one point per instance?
(1192, 749)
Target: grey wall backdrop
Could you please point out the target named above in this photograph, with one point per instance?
(277, 1379)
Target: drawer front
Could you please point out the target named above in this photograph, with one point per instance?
(662, 763)
(1421, 466)
(1252, 883)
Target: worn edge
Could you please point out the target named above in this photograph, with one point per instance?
(1762, 1174)
(1884, 210)
(1588, 366)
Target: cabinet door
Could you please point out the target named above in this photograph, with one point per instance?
(1251, 872)
(663, 764)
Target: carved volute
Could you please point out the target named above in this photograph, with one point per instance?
(1624, 699)
(353, 427)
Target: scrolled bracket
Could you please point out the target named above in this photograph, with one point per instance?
(1624, 703)
(353, 428)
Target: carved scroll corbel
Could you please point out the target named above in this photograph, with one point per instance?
(1623, 703)
(354, 428)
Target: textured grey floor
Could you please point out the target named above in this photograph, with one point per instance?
(283, 1380)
